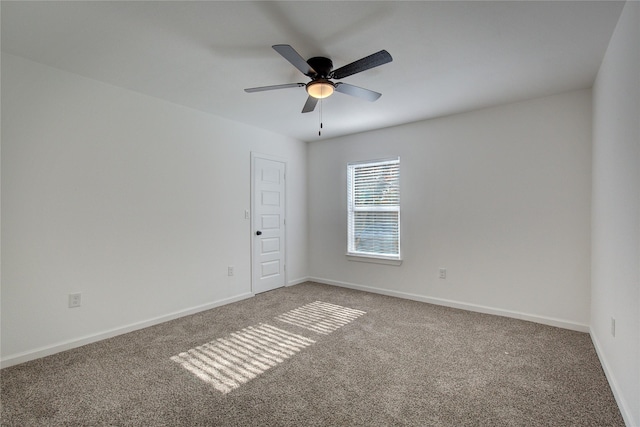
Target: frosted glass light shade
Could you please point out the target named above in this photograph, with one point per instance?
(320, 89)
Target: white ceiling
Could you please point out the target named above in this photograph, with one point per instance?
(448, 57)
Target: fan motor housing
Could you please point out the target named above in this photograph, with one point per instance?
(322, 65)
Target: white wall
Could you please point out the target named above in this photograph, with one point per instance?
(134, 202)
(500, 197)
(616, 213)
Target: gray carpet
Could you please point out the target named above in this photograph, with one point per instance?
(316, 355)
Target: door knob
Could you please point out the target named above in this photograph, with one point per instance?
(258, 233)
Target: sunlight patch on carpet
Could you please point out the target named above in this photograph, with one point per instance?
(227, 363)
(320, 317)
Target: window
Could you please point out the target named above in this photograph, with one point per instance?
(373, 190)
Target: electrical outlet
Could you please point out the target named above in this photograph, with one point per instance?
(613, 327)
(443, 273)
(75, 300)
(230, 270)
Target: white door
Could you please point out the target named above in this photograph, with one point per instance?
(268, 223)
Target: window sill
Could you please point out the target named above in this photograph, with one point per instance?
(374, 260)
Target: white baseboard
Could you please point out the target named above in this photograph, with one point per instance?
(560, 323)
(26, 356)
(297, 281)
(622, 403)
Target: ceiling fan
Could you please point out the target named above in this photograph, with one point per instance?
(320, 70)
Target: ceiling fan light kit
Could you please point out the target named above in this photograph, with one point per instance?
(320, 70)
(320, 88)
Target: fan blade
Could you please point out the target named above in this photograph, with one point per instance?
(310, 105)
(359, 92)
(294, 58)
(366, 63)
(263, 88)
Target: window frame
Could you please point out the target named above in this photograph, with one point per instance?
(352, 255)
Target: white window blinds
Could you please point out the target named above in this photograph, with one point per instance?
(374, 209)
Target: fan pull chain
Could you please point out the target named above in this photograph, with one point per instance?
(320, 116)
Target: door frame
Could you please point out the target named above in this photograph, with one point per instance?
(254, 156)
